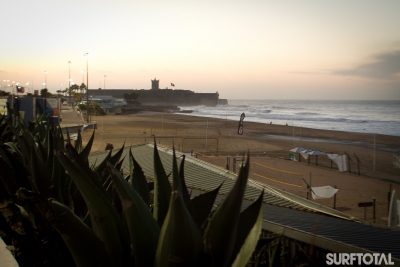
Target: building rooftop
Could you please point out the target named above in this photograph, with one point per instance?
(298, 218)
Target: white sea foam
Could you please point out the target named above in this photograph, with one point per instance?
(381, 117)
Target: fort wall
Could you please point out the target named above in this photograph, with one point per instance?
(162, 96)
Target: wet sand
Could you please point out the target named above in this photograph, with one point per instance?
(215, 140)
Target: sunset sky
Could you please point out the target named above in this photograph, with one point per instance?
(254, 49)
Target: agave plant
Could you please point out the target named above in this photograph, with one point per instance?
(106, 219)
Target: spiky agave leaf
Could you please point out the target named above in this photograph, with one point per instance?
(78, 142)
(85, 247)
(105, 220)
(138, 180)
(144, 230)
(162, 189)
(180, 241)
(58, 172)
(86, 151)
(248, 232)
(219, 236)
(13, 170)
(7, 174)
(203, 204)
(40, 174)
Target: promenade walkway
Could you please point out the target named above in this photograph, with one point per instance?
(73, 120)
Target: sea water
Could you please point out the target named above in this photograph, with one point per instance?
(377, 117)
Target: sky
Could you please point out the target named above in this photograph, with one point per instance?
(253, 49)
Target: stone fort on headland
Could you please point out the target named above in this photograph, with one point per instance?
(157, 96)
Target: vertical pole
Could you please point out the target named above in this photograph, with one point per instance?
(374, 153)
(87, 87)
(234, 165)
(389, 195)
(293, 134)
(206, 135)
(162, 124)
(334, 200)
(348, 161)
(310, 186)
(373, 208)
(69, 82)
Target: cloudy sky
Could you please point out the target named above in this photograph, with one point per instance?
(253, 49)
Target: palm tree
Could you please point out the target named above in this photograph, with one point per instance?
(82, 87)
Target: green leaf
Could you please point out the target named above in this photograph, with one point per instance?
(219, 236)
(14, 169)
(49, 154)
(40, 175)
(185, 193)
(180, 241)
(203, 204)
(78, 142)
(144, 230)
(7, 174)
(248, 232)
(117, 156)
(162, 189)
(106, 222)
(58, 172)
(138, 180)
(78, 161)
(85, 247)
(86, 151)
(103, 165)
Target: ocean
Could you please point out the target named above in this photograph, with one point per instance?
(376, 117)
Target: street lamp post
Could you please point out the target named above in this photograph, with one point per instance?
(45, 79)
(83, 74)
(105, 82)
(87, 86)
(69, 82)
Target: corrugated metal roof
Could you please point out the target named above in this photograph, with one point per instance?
(204, 176)
(282, 209)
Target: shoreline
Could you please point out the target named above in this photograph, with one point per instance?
(374, 117)
(301, 132)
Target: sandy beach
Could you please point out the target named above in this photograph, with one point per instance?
(372, 171)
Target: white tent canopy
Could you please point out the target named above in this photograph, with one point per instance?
(323, 192)
(297, 149)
